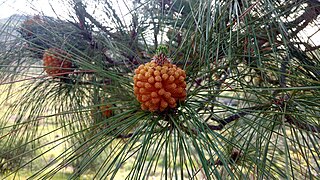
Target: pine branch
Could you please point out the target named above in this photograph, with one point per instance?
(234, 158)
(283, 70)
(47, 76)
(310, 14)
(124, 136)
(129, 135)
(291, 120)
(302, 125)
(236, 116)
(309, 48)
(228, 120)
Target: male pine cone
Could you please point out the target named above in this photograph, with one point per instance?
(159, 85)
(56, 61)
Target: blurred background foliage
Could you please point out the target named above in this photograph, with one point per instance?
(252, 109)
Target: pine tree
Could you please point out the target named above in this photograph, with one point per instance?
(170, 90)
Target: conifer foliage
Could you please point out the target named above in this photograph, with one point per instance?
(162, 89)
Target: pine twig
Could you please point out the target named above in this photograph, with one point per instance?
(302, 125)
(124, 136)
(234, 158)
(236, 116)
